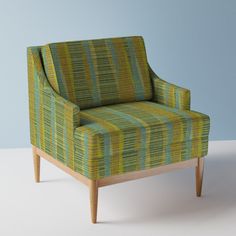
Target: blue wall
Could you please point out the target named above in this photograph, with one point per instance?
(190, 43)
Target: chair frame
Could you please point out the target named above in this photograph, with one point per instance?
(94, 185)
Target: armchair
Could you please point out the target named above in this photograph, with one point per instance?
(99, 112)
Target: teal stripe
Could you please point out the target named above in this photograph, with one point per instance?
(59, 73)
(139, 89)
(95, 90)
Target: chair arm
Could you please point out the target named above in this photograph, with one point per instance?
(169, 94)
(53, 119)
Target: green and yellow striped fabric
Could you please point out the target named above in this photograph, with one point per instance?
(99, 72)
(147, 124)
(127, 137)
(169, 94)
(53, 119)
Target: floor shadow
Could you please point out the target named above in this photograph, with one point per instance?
(219, 195)
(55, 180)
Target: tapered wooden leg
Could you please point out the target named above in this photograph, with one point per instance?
(199, 176)
(93, 189)
(36, 158)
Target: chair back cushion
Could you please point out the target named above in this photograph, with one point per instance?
(93, 73)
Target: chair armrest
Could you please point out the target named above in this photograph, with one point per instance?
(53, 119)
(169, 94)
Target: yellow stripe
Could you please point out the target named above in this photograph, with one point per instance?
(66, 67)
(52, 77)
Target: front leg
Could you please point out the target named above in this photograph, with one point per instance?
(93, 189)
(199, 176)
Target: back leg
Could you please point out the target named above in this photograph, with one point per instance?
(36, 159)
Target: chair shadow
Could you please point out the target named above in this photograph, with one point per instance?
(55, 180)
(219, 195)
(153, 204)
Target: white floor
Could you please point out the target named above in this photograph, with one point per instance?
(160, 205)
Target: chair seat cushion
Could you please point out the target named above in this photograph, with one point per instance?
(133, 136)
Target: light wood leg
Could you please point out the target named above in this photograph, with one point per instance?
(93, 188)
(199, 176)
(36, 158)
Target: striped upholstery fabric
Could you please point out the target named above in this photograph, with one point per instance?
(146, 125)
(169, 94)
(134, 136)
(99, 72)
(53, 119)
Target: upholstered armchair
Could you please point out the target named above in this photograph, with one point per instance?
(100, 113)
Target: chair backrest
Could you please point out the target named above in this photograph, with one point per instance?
(98, 72)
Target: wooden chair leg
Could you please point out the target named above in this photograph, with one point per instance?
(93, 189)
(36, 158)
(199, 176)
